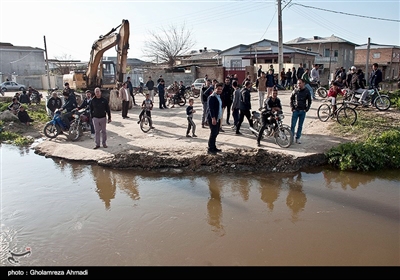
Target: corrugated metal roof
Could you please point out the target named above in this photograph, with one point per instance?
(317, 39)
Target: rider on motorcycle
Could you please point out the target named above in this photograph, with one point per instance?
(68, 107)
(179, 93)
(271, 105)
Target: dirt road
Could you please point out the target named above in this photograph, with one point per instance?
(168, 139)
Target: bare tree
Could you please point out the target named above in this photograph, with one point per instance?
(166, 45)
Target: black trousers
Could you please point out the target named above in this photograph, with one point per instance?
(125, 107)
(244, 113)
(214, 131)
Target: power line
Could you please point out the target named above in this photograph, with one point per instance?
(386, 19)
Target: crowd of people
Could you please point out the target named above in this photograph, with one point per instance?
(216, 98)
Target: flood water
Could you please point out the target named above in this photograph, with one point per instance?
(74, 214)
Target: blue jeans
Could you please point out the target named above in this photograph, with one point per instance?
(310, 90)
(300, 115)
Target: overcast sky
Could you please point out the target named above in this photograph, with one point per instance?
(72, 26)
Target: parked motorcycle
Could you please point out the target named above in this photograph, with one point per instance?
(282, 133)
(172, 99)
(36, 97)
(79, 124)
(56, 126)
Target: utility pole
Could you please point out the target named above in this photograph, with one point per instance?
(367, 62)
(47, 62)
(280, 43)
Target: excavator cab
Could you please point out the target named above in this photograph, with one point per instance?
(108, 75)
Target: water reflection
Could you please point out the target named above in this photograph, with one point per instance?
(214, 204)
(346, 179)
(128, 183)
(105, 184)
(296, 198)
(270, 189)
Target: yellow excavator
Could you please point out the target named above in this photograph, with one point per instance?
(101, 73)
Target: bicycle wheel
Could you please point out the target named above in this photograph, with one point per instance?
(283, 137)
(382, 103)
(346, 116)
(145, 124)
(322, 92)
(324, 112)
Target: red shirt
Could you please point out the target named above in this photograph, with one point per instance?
(333, 93)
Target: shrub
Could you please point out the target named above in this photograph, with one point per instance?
(375, 153)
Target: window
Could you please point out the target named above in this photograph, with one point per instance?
(327, 53)
(236, 63)
(376, 55)
(336, 53)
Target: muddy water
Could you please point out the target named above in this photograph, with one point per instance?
(70, 214)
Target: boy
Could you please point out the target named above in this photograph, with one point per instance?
(23, 116)
(147, 106)
(189, 113)
(332, 95)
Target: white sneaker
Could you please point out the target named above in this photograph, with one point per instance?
(91, 136)
(298, 141)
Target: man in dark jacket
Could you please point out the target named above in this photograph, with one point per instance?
(150, 88)
(99, 110)
(376, 76)
(245, 107)
(226, 97)
(214, 115)
(130, 88)
(300, 71)
(54, 103)
(69, 105)
(300, 103)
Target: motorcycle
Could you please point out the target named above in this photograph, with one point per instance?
(317, 88)
(56, 126)
(36, 97)
(374, 98)
(79, 124)
(191, 91)
(51, 90)
(172, 99)
(282, 133)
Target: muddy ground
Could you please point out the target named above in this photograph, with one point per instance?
(167, 147)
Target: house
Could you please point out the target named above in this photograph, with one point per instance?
(387, 57)
(21, 61)
(245, 59)
(334, 52)
(201, 58)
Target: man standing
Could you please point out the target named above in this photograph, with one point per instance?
(99, 109)
(214, 116)
(161, 94)
(300, 103)
(130, 88)
(124, 96)
(226, 97)
(259, 71)
(376, 76)
(261, 85)
(205, 92)
(315, 74)
(300, 71)
(245, 107)
(150, 88)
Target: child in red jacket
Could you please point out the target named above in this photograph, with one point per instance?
(332, 94)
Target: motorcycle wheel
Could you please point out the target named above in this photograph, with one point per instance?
(74, 132)
(187, 94)
(168, 102)
(182, 101)
(51, 130)
(145, 124)
(322, 92)
(382, 103)
(196, 93)
(283, 137)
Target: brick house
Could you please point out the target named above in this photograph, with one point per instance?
(387, 57)
(334, 52)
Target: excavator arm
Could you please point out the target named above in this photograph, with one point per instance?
(100, 46)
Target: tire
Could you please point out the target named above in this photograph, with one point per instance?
(324, 112)
(74, 132)
(4, 89)
(182, 101)
(322, 92)
(51, 130)
(196, 93)
(283, 137)
(168, 102)
(21, 88)
(346, 116)
(187, 94)
(382, 103)
(145, 124)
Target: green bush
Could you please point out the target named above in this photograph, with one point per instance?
(375, 153)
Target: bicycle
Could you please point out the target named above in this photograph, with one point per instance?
(344, 114)
(145, 122)
(318, 89)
